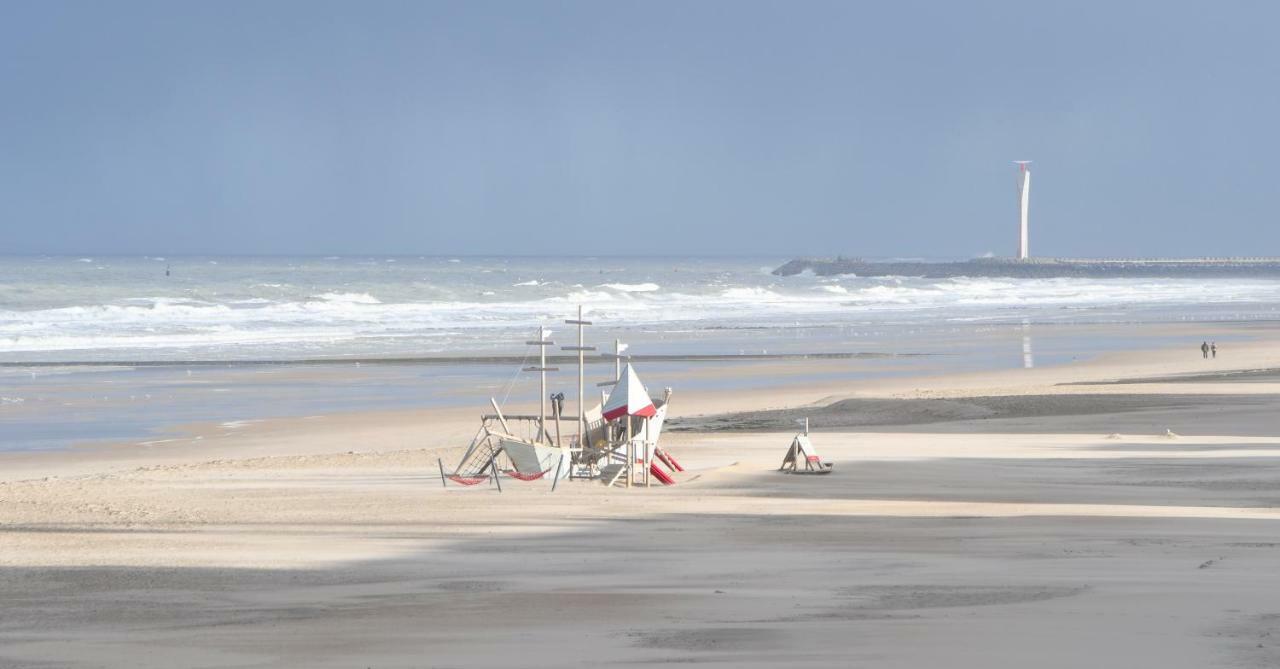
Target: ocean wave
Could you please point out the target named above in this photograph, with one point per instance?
(750, 293)
(347, 298)
(355, 320)
(631, 287)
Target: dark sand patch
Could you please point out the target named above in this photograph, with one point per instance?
(1173, 445)
(470, 586)
(1127, 414)
(710, 639)
(1254, 640)
(1233, 376)
(1146, 480)
(910, 597)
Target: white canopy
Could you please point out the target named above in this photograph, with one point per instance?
(628, 397)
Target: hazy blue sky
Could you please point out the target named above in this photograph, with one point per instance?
(879, 128)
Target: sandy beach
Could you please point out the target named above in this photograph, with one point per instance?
(335, 335)
(1117, 511)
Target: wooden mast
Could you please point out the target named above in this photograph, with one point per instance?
(542, 343)
(580, 348)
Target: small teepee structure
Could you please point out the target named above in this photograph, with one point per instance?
(802, 457)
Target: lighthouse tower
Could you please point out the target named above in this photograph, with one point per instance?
(1024, 205)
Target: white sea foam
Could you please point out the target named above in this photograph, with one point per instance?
(750, 294)
(348, 298)
(631, 287)
(305, 308)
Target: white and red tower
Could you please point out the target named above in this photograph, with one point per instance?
(1024, 206)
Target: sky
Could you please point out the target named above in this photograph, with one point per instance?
(878, 129)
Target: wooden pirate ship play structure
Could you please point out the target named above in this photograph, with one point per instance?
(614, 441)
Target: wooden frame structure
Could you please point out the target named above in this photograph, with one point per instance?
(802, 457)
(603, 448)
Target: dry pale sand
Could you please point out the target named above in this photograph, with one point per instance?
(1031, 536)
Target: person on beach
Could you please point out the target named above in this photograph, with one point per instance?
(1204, 349)
(1213, 348)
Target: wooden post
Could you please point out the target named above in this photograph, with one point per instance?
(582, 390)
(493, 467)
(631, 453)
(647, 462)
(582, 377)
(555, 411)
(542, 344)
(501, 419)
(542, 375)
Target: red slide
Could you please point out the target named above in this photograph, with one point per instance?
(660, 475)
(670, 460)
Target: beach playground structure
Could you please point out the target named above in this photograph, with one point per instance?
(632, 423)
(616, 441)
(802, 457)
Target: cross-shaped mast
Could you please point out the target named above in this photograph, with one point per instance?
(542, 343)
(580, 348)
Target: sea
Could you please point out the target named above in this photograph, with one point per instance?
(115, 348)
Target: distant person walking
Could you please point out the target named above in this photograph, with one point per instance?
(1204, 349)
(1213, 348)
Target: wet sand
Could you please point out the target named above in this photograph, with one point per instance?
(1024, 518)
(1183, 413)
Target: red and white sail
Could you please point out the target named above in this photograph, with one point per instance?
(628, 398)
